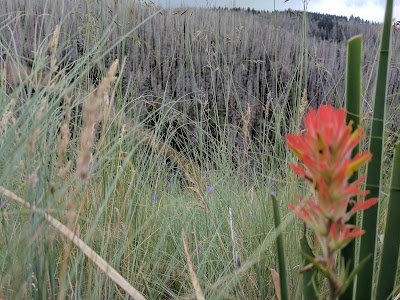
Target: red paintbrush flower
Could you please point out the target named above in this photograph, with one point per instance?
(325, 151)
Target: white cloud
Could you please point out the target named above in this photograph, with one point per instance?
(368, 9)
(372, 10)
(396, 11)
(268, 4)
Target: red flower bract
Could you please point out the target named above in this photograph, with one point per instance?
(325, 153)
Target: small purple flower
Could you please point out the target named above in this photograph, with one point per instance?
(271, 182)
(168, 184)
(210, 189)
(3, 203)
(238, 263)
(198, 247)
(154, 197)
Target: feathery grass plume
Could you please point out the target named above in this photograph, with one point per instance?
(196, 191)
(245, 131)
(72, 236)
(303, 104)
(246, 121)
(7, 117)
(53, 49)
(91, 116)
(64, 140)
(121, 138)
(64, 166)
(71, 205)
(108, 108)
(267, 125)
(266, 108)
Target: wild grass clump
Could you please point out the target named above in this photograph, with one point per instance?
(117, 179)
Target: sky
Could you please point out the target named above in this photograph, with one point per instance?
(372, 10)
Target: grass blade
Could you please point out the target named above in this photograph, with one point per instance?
(277, 283)
(89, 252)
(353, 274)
(370, 216)
(391, 243)
(308, 287)
(281, 253)
(353, 99)
(193, 276)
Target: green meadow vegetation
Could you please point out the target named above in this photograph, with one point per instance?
(141, 147)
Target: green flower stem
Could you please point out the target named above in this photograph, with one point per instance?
(391, 242)
(353, 99)
(370, 216)
(334, 285)
(281, 253)
(308, 288)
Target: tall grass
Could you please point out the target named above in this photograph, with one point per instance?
(126, 181)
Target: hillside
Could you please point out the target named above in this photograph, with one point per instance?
(212, 60)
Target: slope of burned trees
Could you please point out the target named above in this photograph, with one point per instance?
(193, 70)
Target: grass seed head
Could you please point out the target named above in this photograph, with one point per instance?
(53, 48)
(91, 115)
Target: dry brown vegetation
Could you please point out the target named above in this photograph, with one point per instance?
(215, 60)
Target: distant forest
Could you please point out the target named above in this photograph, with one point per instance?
(215, 60)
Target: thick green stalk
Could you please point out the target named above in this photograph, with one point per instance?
(370, 216)
(391, 242)
(353, 99)
(309, 292)
(281, 253)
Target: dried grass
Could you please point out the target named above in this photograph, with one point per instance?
(193, 276)
(303, 104)
(121, 154)
(53, 49)
(89, 252)
(7, 117)
(246, 121)
(277, 285)
(245, 130)
(63, 165)
(91, 116)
